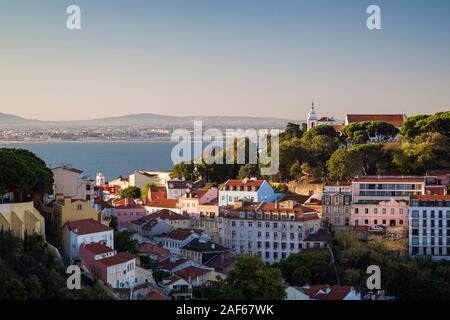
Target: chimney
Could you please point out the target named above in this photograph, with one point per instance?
(126, 202)
(238, 204)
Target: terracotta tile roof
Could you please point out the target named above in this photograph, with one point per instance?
(98, 248)
(119, 258)
(87, 226)
(325, 119)
(154, 249)
(195, 194)
(222, 261)
(164, 203)
(383, 179)
(301, 213)
(128, 203)
(323, 292)
(165, 214)
(155, 295)
(167, 264)
(242, 183)
(192, 272)
(338, 127)
(396, 120)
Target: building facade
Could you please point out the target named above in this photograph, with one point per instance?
(82, 232)
(21, 219)
(368, 189)
(70, 183)
(271, 230)
(429, 221)
(390, 213)
(337, 204)
(246, 190)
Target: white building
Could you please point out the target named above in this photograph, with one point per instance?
(84, 232)
(141, 178)
(313, 120)
(246, 190)
(177, 188)
(429, 217)
(70, 183)
(100, 179)
(271, 230)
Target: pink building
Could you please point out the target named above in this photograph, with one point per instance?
(191, 202)
(116, 269)
(384, 213)
(127, 210)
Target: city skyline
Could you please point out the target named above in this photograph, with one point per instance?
(205, 58)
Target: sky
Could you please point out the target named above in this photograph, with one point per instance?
(266, 58)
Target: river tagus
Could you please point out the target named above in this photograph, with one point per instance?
(111, 158)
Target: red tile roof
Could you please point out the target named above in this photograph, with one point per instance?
(87, 226)
(396, 120)
(154, 249)
(119, 258)
(249, 182)
(127, 204)
(166, 264)
(98, 248)
(165, 214)
(192, 272)
(323, 292)
(338, 127)
(302, 213)
(164, 203)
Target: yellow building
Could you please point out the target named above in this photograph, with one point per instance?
(69, 210)
(21, 218)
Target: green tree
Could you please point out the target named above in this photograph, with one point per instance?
(123, 242)
(184, 170)
(360, 132)
(256, 281)
(308, 268)
(344, 165)
(322, 130)
(292, 131)
(146, 189)
(131, 193)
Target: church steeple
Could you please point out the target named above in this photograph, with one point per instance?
(312, 117)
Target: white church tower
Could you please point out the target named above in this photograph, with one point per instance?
(312, 117)
(100, 179)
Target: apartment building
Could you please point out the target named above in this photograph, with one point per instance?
(429, 220)
(390, 213)
(337, 203)
(70, 183)
(373, 189)
(271, 230)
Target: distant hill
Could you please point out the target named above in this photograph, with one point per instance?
(147, 120)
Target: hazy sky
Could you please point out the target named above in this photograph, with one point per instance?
(228, 57)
